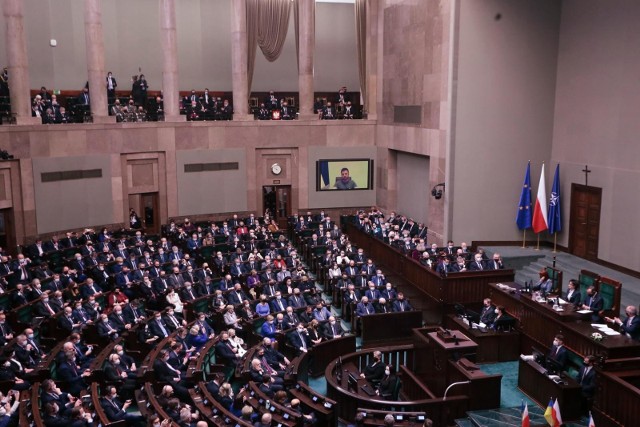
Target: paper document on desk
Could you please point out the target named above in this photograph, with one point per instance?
(554, 377)
(561, 301)
(527, 357)
(585, 311)
(482, 325)
(610, 332)
(599, 325)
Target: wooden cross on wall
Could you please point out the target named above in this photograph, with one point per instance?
(586, 171)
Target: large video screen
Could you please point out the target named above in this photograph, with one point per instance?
(344, 174)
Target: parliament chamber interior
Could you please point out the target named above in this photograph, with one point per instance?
(330, 230)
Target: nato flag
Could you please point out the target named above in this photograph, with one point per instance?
(555, 218)
(523, 219)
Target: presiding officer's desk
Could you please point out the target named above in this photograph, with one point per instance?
(539, 324)
(493, 346)
(535, 383)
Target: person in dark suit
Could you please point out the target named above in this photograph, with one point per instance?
(227, 354)
(595, 303)
(111, 86)
(237, 295)
(72, 375)
(488, 313)
(478, 263)
(278, 304)
(67, 322)
(401, 303)
(6, 333)
(157, 326)
(374, 371)
(214, 385)
(444, 266)
(115, 371)
(496, 263)
(364, 307)
(629, 326)
(299, 339)
(587, 380)
(558, 353)
(332, 329)
(115, 410)
(573, 295)
(106, 328)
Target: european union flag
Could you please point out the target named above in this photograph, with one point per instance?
(555, 218)
(523, 219)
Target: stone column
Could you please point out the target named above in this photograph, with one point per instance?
(239, 60)
(372, 60)
(307, 35)
(94, 40)
(17, 62)
(169, 43)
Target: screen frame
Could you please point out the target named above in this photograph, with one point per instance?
(370, 175)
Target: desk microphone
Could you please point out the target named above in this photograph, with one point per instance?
(455, 340)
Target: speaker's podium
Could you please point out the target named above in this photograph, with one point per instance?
(534, 381)
(434, 349)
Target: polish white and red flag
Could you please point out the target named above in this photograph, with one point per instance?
(540, 222)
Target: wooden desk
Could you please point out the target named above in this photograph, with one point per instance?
(329, 350)
(534, 382)
(540, 324)
(376, 330)
(493, 346)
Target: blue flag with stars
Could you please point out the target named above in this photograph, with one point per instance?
(523, 219)
(555, 218)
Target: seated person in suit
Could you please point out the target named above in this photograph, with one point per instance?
(364, 307)
(225, 351)
(114, 371)
(72, 375)
(401, 303)
(558, 353)
(117, 411)
(488, 313)
(382, 306)
(496, 263)
(478, 263)
(332, 329)
(545, 284)
(629, 326)
(299, 339)
(374, 371)
(573, 295)
(595, 303)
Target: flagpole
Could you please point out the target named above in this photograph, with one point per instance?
(538, 246)
(524, 238)
(554, 242)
